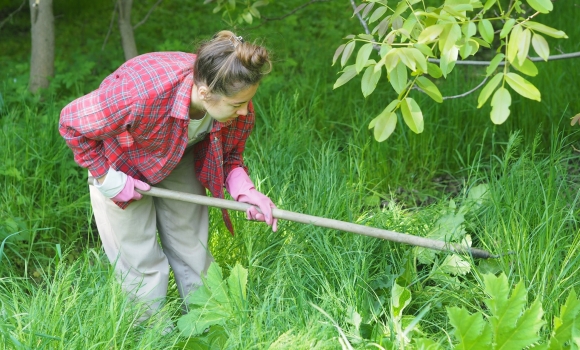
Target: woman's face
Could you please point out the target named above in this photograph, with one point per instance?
(226, 108)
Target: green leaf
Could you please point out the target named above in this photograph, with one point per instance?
(486, 30)
(363, 56)
(468, 29)
(418, 57)
(542, 6)
(385, 125)
(523, 87)
(541, 46)
(567, 322)
(507, 27)
(455, 265)
(254, 11)
(500, 104)
(434, 70)
(430, 34)
(478, 194)
(524, 45)
(448, 60)
(400, 298)
(494, 64)
(451, 38)
(489, 4)
(409, 25)
(348, 73)
(504, 308)
(370, 79)
(481, 42)
(366, 36)
(430, 89)
(377, 14)
(424, 49)
(489, 89)
(247, 17)
(398, 77)
(391, 59)
(347, 52)
(542, 28)
(407, 58)
(471, 331)
(513, 43)
(197, 320)
(390, 107)
(528, 68)
(337, 53)
(525, 333)
(368, 9)
(412, 115)
(237, 282)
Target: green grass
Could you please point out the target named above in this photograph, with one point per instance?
(74, 305)
(311, 152)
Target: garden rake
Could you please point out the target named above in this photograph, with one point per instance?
(322, 222)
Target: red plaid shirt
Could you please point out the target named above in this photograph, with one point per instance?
(136, 122)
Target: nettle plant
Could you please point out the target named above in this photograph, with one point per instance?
(409, 38)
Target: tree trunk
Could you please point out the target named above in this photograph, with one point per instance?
(126, 29)
(42, 53)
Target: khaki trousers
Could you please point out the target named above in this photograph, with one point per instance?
(129, 238)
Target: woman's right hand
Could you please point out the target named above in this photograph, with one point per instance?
(119, 186)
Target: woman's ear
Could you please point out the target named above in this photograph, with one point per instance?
(203, 93)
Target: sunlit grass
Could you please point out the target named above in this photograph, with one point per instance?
(311, 152)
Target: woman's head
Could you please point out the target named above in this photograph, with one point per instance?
(227, 64)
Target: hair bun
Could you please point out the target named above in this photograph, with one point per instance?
(227, 63)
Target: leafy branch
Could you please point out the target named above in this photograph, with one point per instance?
(12, 14)
(416, 45)
(245, 11)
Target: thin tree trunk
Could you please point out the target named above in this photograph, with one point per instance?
(126, 29)
(42, 53)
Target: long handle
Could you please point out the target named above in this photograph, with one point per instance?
(322, 222)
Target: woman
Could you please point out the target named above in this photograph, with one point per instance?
(179, 121)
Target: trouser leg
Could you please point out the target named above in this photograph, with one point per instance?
(183, 227)
(130, 242)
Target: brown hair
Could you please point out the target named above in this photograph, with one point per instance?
(227, 64)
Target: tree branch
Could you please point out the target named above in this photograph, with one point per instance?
(110, 25)
(472, 63)
(147, 15)
(12, 14)
(293, 11)
(358, 15)
(376, 46)
(468, 92)
(534, 59)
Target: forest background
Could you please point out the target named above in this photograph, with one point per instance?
(509, 188)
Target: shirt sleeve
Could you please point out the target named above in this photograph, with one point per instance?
(234, 159)
(99, 115)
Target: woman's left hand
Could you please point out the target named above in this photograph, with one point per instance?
(264, 203)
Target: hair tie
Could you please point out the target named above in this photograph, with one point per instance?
(236, 40)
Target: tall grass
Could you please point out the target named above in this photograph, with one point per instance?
(43, 195)
(78, 305)
(311, 152)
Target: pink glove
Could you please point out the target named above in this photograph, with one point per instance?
(120, 187)
(240, 186)
(128, 192)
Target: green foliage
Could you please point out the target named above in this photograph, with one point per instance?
(510, 324)
(409, 33)
(216, 302)
(238, 11)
